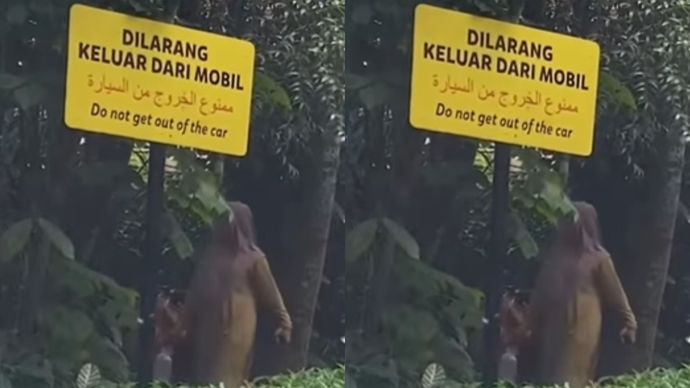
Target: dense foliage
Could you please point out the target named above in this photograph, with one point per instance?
(434, 377)
(90, 377)
(418, 203)
(72, 204)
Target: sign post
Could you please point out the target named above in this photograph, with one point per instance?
(509, 84)
(157, 82)
(149, 279)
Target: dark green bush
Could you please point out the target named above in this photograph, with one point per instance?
(89, 377)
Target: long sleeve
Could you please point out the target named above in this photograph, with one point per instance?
(268, 294)
(613, 294)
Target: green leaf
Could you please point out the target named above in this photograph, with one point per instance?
(272, 92)
(208, 194)
(434, 376)
(108, 357)
(523, 237)
(17, 13)
(201, 211)
(14, 239)
(58, 238)
(454, 359)
(178, 238)
(359, 239)
(66, 325)
(35, 367)
(617, 91)
(410, 325)
(403, 238)
(552, 192)
(9, 81)
(89, 376)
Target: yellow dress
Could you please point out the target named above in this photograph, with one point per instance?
(567, 332)
(221, 345)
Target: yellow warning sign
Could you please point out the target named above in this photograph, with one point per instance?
(503, 82)
(153, 81)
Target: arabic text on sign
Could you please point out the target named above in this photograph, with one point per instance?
(159, 99)
(506, 99)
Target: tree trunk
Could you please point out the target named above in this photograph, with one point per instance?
(649, 242)
(301, 281)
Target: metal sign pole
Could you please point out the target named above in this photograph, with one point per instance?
(154, 241)
(500, 206)
(151, 259)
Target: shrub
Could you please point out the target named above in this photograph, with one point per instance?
(90, 377)
(434, 377)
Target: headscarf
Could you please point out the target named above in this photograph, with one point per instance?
(236, 235)
(582, 235)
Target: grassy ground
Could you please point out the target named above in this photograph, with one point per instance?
(434, 377)
(658, 378)
(311, 378)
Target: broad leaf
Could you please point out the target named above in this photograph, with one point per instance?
(110, 359)
(73, 275)
(207, 192)
(523, 237)
(403, 238)
(178, 238)
(89, 376)
(410, 325)
(382, 370)
(58, 238)
(66, 325)
(14, 239)
(201, 211)
(35, 367)
(359, 239)
(434, 376)
(553, 193)
(617, 91)
(272, 92)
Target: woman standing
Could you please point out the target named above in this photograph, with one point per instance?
(232, 281)
(576, 285)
